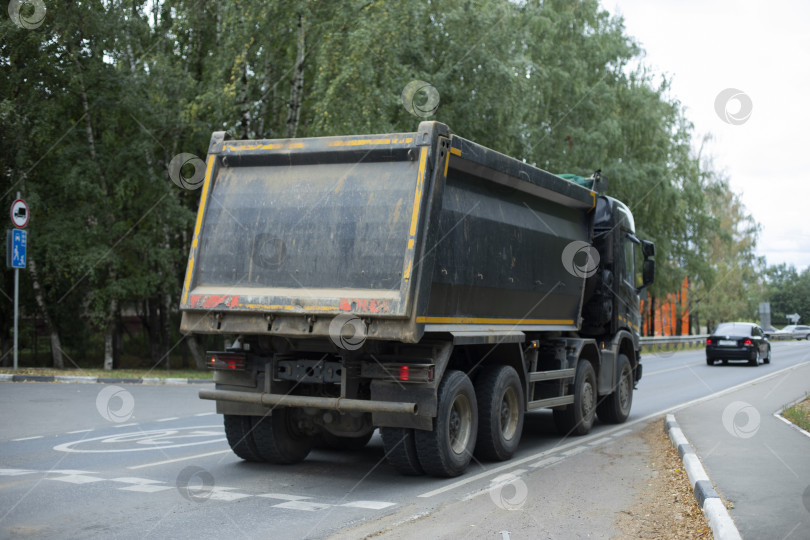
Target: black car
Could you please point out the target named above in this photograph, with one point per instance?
(738, 341)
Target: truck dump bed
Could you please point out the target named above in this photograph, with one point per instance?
(410, 232)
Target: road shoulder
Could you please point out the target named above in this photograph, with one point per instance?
(632, 487)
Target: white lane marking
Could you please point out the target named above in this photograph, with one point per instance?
(205, 414)
(155, 464)
(283, 496)
(78, 479)
(683, 366)
(27, 438)
(78, 431)
(370, 505)
(621, 433)
(138, 441)
(575, 451)
(15, 472)
(601, 441)
(135, 480)
(223, 494)
(624, 428)
(168, 419)
(547, 461)
(219, 493)
(125, 425)
(145, 488)
(302, 505)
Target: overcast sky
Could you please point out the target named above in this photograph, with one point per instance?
(763, 50)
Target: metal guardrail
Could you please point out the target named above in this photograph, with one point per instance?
(658, 342)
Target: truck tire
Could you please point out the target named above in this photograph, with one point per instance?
(400, 450)
(577, 418)
(278, 440)
(447, 450)
(615, 407)
(327, 441)
(500, 412)
(239, 432)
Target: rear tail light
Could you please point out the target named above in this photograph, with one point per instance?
(748, 342)
(414, 373)
(226, 361)
(708, 341)
(404, 373)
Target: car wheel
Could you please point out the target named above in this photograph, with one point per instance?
(767, 359)
(709, 362)
(755, 360)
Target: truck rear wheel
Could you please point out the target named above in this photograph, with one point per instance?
(327, 441)
(577, 418)
(239, 432)
(615, 407)
(500, 408)
(400, 450)
(278, 440)
(447, 450)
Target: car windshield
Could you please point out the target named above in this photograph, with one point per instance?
(790, 328)
(735, 329)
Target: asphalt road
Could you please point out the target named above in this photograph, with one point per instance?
(135, 461)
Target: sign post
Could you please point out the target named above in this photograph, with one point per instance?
(16, 257)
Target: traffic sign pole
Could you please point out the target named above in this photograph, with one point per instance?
(19, 216)
(16, 312)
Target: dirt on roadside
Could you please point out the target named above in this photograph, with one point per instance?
(668, 509)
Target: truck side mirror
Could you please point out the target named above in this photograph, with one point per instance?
(648, 249)
(648, 272)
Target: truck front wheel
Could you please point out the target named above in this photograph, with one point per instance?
(447, 450)
(577, 418)
(500, 408)
(278, 440)
(615, 408)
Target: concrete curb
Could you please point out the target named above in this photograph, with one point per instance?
(10, 377)
(723, 527)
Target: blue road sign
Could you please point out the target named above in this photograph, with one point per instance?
(19, 241)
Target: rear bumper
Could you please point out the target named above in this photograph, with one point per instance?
(730, 353)
(283, 400)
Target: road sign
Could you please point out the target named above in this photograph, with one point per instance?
(19, 213)
(16, 242)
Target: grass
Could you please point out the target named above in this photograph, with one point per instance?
(122, 373)
(799, 414)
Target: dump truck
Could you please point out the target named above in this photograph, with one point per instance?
(416, 283)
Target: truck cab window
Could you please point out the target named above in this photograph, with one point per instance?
(633, 263)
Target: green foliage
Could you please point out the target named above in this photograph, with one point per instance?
(98, 100)
(788, 293)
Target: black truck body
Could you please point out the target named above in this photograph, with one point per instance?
(418, 283)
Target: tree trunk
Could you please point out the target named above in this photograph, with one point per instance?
(109, 337)
(196, 351)
(652, 315)
(297, 90)
(56, 342)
